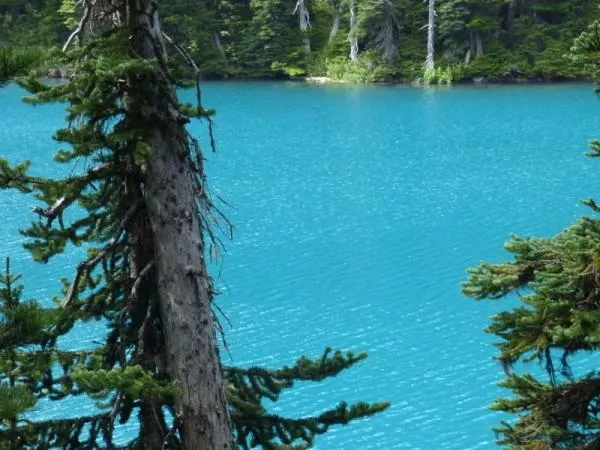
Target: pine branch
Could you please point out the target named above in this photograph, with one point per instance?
(89, 265)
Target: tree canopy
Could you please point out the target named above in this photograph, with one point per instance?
(355, 40)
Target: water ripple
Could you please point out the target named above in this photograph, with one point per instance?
(357, 211)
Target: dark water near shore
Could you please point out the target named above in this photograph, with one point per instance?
(357, 212)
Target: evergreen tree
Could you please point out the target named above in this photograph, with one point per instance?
(557, 281)
(452, 31)
(272, 36)
(140, 204)
(558, 317)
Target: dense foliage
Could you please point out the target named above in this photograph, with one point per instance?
(496, 39)
(559, 317)
(124, 120)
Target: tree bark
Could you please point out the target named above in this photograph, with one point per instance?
(352, 36)
(219, 46)
(182, 282)
(478, 45)
(152, 423)
(430, 59)
(304, 22)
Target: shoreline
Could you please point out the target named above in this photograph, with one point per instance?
(62, 74)
(477, 81)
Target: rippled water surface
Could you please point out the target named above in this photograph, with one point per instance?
(357, 211)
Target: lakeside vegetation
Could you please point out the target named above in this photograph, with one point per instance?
(348, 40)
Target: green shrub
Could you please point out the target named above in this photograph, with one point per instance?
(553, 64)
(444, 75)
(289, 70)
(18, 61)
(368, 69)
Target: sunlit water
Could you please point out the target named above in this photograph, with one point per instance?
(357, 211)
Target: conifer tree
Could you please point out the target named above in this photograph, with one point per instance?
(559, 285)
(138, 200)
(557, 281)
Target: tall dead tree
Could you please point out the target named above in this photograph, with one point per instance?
(430, 59)
(304, 22)
(335, 25)
(352, 36)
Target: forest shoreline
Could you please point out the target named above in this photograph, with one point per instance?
(356, 41)
(58, 74)
(482, 81)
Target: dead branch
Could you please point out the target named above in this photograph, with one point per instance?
(132, 297)
(114, 412)
(184, 54)
(79, 183)
(138, 280)
(54, 211)
(87, 11)
(87, 266)
(142, 329)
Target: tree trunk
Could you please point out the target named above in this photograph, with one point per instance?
(152, 423)
(304, 19)
(352, 36)
(430, 59)
(219, 46)
(335, 26)
(472, 44)
(306, 45)
(385, 38)
(478, 45)
(183, 285)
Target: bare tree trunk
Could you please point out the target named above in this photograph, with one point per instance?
(430, 59)
(335, 26)
(352, 36)
(219, 46)
(306, 45)
(472, 44)
(304, 18)
(478, 45)
(182, 282)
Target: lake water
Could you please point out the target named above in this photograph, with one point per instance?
(357, 211)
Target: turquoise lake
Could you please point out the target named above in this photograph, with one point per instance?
(357, 211)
